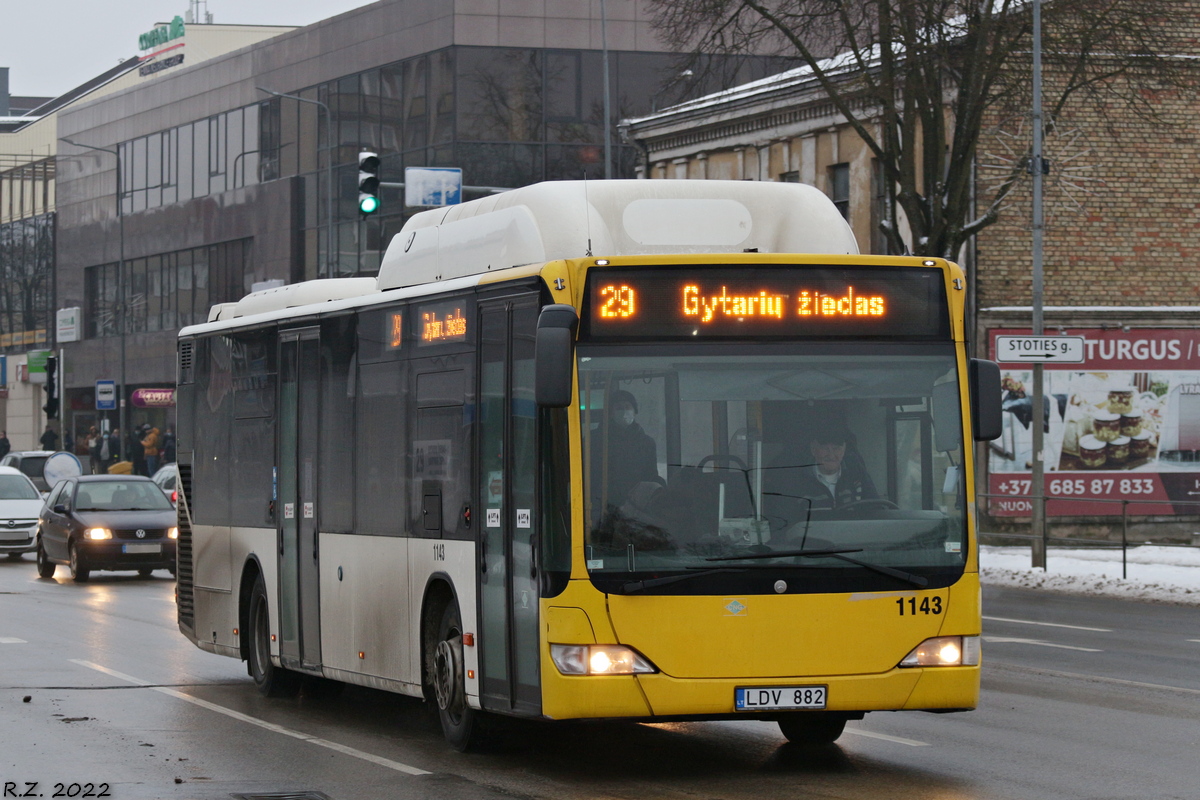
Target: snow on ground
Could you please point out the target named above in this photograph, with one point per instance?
(1156, 574)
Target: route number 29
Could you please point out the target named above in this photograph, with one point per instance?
(928, 605)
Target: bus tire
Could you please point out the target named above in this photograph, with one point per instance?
(272, 681)
(812, 729)
(459, 721)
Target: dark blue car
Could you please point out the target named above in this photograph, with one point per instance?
(106, 522)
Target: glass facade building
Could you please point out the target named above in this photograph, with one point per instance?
(217, 182)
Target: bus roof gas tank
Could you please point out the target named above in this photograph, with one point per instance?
(573, 219)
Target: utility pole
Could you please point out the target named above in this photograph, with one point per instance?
(1037, 167)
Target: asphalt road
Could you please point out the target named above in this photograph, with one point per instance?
(1083, 698)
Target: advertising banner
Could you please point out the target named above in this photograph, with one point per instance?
(1122, 425)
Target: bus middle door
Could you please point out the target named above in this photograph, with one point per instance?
(507, 477)
(299, 599)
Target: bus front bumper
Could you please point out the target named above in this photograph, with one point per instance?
(662, 696)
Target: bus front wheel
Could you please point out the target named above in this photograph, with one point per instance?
(272, 681)
(459, 720)
(812, 729)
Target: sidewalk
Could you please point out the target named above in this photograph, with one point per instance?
(1156, 574)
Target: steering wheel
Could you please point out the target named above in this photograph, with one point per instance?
(719, 457)
(869, 502)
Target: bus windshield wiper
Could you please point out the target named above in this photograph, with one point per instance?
(840, 554)
(637, 586)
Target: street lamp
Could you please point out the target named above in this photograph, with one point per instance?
(122, 308)
(328, 171)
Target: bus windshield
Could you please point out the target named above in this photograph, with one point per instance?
(704, 461)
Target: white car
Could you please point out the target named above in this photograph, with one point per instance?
(20, 504)
(167, 477)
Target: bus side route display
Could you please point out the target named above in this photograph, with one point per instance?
(678, 302)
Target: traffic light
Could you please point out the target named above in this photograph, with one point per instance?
(368, 182)
(51, 388)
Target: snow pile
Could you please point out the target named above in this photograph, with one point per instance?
(1156, 574)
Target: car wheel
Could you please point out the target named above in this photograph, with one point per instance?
(812, 729)
(272, 681)
(145, 573)
(15, 556)
(460, 722)
(45, 566)
(80, 571)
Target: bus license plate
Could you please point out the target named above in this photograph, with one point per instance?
(141, 548)
(762, 698)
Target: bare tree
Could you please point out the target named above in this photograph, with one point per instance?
(920, 81)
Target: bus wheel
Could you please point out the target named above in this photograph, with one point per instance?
(812, 728)
(272, 681)
(459, 721)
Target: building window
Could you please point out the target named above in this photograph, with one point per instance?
(839, 188)
(790, 177)
(168, 291)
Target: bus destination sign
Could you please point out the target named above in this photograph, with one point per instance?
(674, 302)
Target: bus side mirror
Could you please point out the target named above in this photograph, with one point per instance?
(554, 355)
(986, 413)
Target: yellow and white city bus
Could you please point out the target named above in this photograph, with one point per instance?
(654, 451)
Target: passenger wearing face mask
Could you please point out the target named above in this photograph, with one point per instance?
(631, 454)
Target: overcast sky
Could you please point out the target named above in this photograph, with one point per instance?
(52, 46)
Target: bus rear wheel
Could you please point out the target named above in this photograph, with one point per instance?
(812, 729)
(272, 681)
(459, 721)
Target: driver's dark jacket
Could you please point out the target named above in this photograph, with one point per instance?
(853, 484)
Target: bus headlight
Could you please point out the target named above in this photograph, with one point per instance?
(944, 651)
(97, 533)
(598, 659)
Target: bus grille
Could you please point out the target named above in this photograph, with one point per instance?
(186, 349)
(185, 596)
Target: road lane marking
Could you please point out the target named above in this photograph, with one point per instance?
(1094, 678)
(1038, 642)
(270, 726)
(12, 640)
(1049, 624)
(1194, 640)
(886, 738)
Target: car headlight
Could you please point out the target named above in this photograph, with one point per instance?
(944, 651)
(172, 533)
(97, 533)
(598, 659)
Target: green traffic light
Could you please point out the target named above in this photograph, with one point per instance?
(368, 204)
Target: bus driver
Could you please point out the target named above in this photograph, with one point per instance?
(836, 478)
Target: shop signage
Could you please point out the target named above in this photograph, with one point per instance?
(153, 398)
(69, 324)
(162, 34)
(1123, 425)
(170, 55)
(35, 361)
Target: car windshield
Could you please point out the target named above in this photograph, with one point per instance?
(16, 487)
(697, 457)
(120, 496)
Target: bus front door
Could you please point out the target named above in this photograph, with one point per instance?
(508, 585)
(299, 609)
